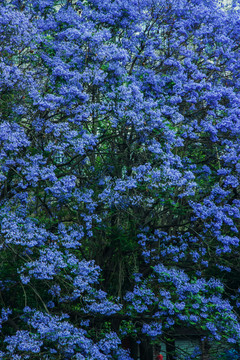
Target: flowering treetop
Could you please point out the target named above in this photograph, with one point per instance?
(119, 155)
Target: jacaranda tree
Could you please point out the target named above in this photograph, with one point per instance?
(119, 175)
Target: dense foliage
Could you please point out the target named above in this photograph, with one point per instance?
(119, 175)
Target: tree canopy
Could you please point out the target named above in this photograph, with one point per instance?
(119, 175)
